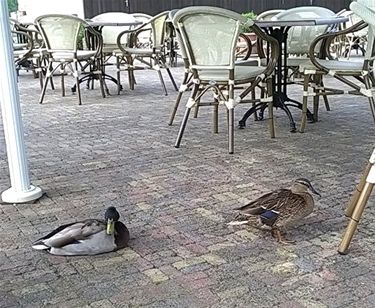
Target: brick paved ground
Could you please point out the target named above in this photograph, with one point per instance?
(176, 202)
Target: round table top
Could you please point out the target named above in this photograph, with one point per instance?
(113, 24)
(301, 22)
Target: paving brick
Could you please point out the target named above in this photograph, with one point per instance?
(155, 275)
(177, 202)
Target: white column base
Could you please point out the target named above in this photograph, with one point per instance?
(12, 196)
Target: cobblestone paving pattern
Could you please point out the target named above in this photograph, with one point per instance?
(176, 202)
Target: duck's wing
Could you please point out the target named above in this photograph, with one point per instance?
(94, 244)
(270, 201)
(292, 211)
(69, 234)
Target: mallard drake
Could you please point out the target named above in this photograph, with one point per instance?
(88, 237)
(282, 208)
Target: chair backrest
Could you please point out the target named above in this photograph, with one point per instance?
(267, 15)
(158, 28)
(300, 37)
(368, 15)
(202, 28)
(142, 17)
(369, 3)
(110, 33)
(171, 15)
(152, 32)
(61, 32)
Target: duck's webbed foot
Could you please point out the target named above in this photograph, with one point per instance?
(280, 237)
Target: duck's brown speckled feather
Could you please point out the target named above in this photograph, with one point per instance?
(290, 207)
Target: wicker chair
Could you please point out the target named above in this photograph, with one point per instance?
(28, 49)
(213, 66)
(153, 56)
(342, 69)
(109, 35)
(63, 35)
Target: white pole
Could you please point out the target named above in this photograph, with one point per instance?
(20, 191)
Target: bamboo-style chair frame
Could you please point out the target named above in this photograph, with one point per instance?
(66, 54)
(322, 67)
(154, 54)
(223, 88)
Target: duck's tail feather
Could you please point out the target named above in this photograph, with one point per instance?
(40, 246)
(237, 222)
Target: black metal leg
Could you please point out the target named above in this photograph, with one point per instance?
(261, 112)
(296, 104)
(242, 122)
(291, 121)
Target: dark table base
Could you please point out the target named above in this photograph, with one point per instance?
(279, 101)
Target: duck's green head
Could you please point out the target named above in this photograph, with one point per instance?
(111, 216)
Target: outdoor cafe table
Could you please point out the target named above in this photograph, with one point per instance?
(98, 26)
(279, 30)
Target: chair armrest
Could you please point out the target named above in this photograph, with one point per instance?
(98, 39)
(275, 48)
(326, 39)
(133, 33)
(29, 43)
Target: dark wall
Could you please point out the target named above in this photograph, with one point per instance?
(152, 7)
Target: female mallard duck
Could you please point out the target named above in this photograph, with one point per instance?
(282, 208)
(88, 237)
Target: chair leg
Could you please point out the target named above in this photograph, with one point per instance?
(171, 78)
(131, 79)
(325, 97)
(118, 75)
(270, 109)
(186, 116)
(179, 96)
(182, 128)
(100, 69)
(50, 69)
(196, 110)
(157, 63)
(162, 82)
(316, 98)
(40, 72)
(215, 117)
(371, 98)
(62, 71)
(231, 130)
(253, 97)
(304, 104)
(75, 72)
(48, 76)
(175, 107)
(164, 63)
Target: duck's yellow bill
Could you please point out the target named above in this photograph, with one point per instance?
(110, 226)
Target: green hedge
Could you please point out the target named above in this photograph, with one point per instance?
(12, 5)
